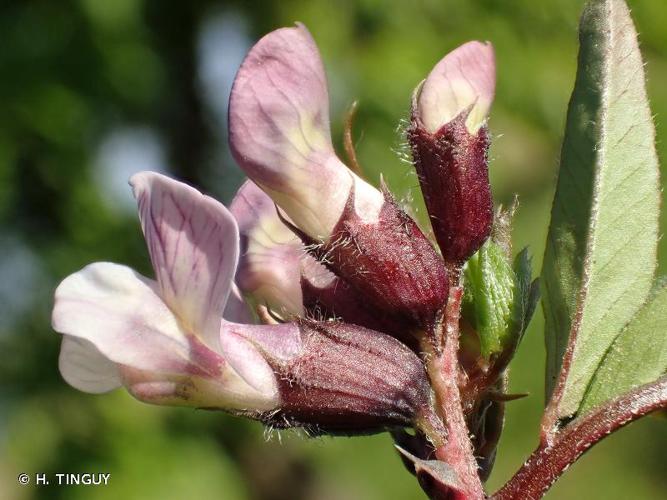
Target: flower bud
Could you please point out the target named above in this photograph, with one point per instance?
(449, 142)
(345, 379)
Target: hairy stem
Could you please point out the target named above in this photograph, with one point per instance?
(456, 449)
(549, 461)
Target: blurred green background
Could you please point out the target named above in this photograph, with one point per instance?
(95, 90)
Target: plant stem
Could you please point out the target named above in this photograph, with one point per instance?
(549, 461)
(443, 368)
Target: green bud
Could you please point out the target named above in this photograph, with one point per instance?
(499, 298)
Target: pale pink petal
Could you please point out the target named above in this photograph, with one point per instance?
(251, 205)
(237, 310)
(269, 267)
(229, 391)
(193, 243)
(279, 106)
(316, 274)
(85, 368)
(278, 342)
(246, 360)
(464, 79)
(121, 314)
(279, 133)
(158, 389)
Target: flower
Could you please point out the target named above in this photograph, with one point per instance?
(449, 141)
(162, 339)
(279, 134)
(166, 342)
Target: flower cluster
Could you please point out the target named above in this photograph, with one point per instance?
(348, 291)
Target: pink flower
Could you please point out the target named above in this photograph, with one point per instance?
(165, 340)
(283, 280)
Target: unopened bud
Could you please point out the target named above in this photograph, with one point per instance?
(449, 142)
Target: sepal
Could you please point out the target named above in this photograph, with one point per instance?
(453, 174)
(337, 299)
(438, 479)
(389, 261)
(346, 379)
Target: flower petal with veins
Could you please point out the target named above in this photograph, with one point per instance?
(116, 316)
(193, 243)
(269, 266)
(157, 335)
(279, 133)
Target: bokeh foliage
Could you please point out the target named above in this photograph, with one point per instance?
(92, 91)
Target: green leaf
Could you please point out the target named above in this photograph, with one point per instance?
(526, 296)
(602, 242)
(637, 356)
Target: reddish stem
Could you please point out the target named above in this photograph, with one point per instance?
(456, 449)
(549, 461)
(549, 425)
